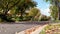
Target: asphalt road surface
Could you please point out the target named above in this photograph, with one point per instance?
(12, 28)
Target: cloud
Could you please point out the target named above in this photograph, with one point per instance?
(45, 11)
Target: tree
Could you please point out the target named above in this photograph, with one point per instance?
(54, 12)
(27, 4)
(57, 4)
(34, 13)
(37, 16)
(19, 5)
(45, 18)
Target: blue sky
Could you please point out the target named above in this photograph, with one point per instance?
(43, 6)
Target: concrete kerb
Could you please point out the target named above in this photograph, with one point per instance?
(35, 32)
(22, 32)
(39, 30)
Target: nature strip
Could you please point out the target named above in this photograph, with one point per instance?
(29, 31)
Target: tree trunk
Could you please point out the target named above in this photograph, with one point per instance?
(59, 13)
(21, 16)
(22, 13)
(5, 15)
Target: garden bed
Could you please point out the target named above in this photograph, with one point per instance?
(51, 29)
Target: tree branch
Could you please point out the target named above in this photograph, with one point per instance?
(14, 4)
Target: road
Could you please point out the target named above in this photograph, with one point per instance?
(12, 28)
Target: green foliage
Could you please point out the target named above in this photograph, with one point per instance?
(54, 8)
(45, 18)
(1, 20)
(27, 18)
(42, 32)
(35, 13)
(54, 12)
(15, 7)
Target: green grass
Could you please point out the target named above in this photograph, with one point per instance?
(50, 27)
(42, 32)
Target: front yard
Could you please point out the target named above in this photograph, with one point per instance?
(51, 29)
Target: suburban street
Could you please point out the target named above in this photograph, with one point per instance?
(12, 28)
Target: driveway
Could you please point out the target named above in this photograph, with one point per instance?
(12, 28)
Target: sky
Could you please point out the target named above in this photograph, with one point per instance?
(43, 6)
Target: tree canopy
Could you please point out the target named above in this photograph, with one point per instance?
(18, 5)
(55, 9)
(54, 12)
(35, 13)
